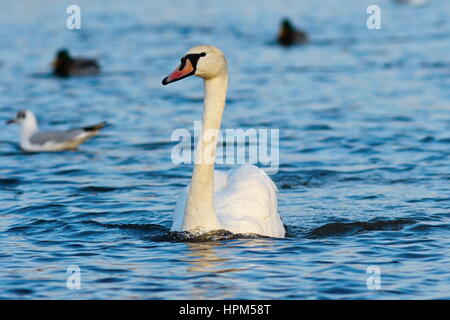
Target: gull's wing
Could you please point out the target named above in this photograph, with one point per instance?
(41, 138)
(55, 136)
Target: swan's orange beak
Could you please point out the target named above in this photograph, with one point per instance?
(185, 69)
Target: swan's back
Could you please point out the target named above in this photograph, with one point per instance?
(248, 203)
(245, 200)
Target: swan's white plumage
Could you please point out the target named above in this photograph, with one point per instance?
(245, 200)
(241, 201)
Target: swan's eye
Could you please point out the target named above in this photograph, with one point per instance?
(193, 59)
(21, 115)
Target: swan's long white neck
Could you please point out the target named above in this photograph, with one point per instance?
(199, 211)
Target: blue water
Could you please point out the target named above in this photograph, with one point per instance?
(364, 119)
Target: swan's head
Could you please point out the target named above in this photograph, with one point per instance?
(202, 61)
(23, 117)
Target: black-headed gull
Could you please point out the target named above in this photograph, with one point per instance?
(33, 140)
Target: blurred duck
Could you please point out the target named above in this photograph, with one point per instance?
(65, 66)
(412, 2)
(33, 140)
(288, 35)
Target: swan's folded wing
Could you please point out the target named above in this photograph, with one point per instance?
(248, 204)
(245, 202)
(178, 215)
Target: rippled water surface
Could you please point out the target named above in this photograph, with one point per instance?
(364, 119)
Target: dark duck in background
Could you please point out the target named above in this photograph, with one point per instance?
(288, 35)
(65, 66)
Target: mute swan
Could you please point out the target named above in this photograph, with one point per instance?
(33, 140)
(243, 201)
(288, 35)
(65, 66)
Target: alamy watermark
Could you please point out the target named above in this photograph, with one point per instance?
(74, 20)
(73, 281)
(234, 147)
(373, 281)
(374, 20)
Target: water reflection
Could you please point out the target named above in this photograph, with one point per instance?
(210, 262)
(218, 270)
